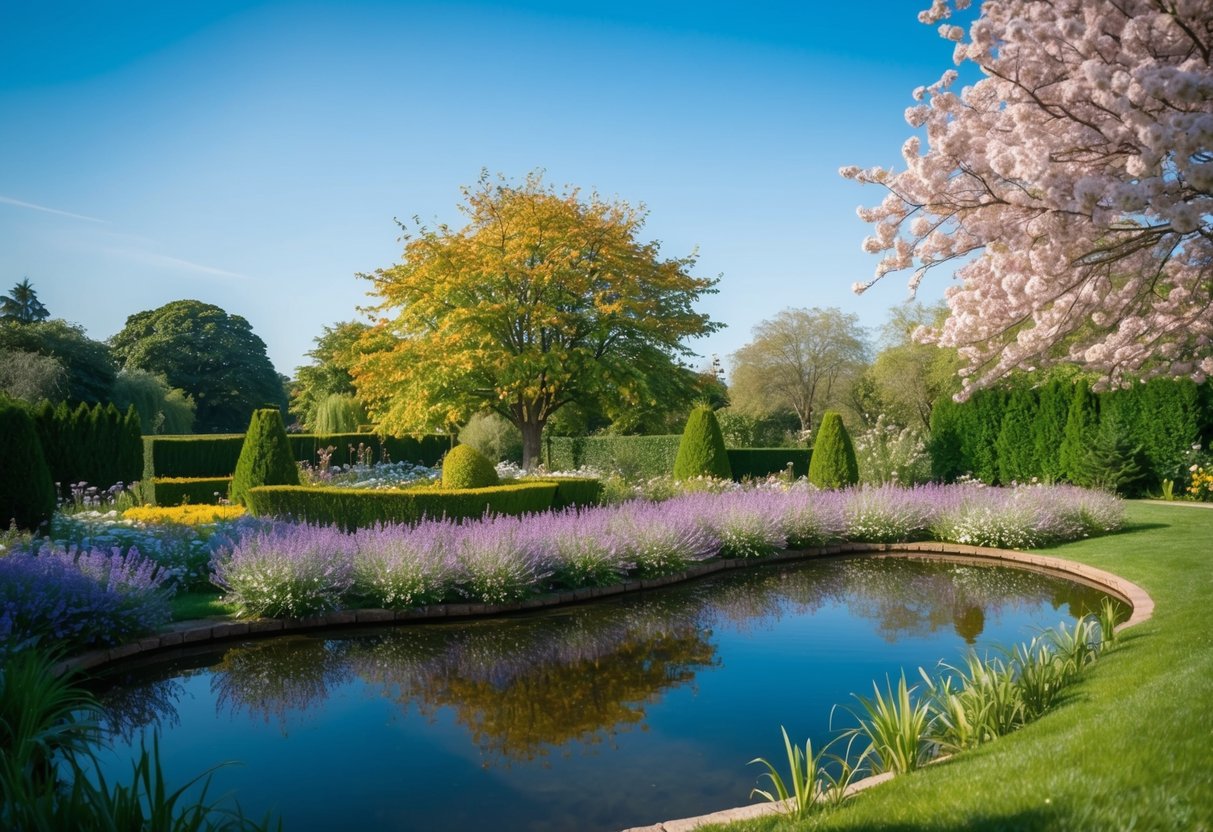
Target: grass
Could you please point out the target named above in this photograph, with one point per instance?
(1129, 746)
(193, 605)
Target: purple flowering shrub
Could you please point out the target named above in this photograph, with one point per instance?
(397, 566)
(748, 524)
(80, 599)
(1028, 516)
(287, 570)
(663, 538)
(581, 545)
(498, 562)
(892, 514)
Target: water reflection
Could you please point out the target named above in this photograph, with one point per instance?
(574, 679)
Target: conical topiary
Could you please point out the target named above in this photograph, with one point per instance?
(833, 464)
(465, 467)
(27, 492)
(265, 457)
(701, 452)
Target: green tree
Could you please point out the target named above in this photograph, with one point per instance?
(1016, 445)
(799, 360)
(946, 445)
(492, 435)
(701, 452)
(31, 377)
(1049, 429)
(211, 355)
(27, 493)
(980, 424)
(89, 364)
(265, 457)
(338, 413)
(833, 464)
(21, 305)
(162, 409)
(333, 356)
(541, 300)
(910, 377)
(1082, 423)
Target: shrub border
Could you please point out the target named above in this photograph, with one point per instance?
(188, 633)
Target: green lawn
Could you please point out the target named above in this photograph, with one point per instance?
(193, 605)
(1130, 747)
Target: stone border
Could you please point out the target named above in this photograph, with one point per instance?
(202, 631)
(1141, 603)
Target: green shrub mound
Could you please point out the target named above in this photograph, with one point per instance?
(575, 491)
(27, 492)
(833, 464)
(466, 467)
(176, 491)
(266, 457)
(701, 452)
(354, 508)
(762, 462)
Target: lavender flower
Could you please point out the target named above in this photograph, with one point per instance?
(400, 566)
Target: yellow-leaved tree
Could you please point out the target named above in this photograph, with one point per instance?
(542, 299)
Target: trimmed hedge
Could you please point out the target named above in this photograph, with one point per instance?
(353, 508)
(27, 492)
(701, 450)
(266, 456)
(834, 464)
(465, 467)
(644, 456)
(96, 444)
(575, 491)
(762, 462)
(216, 455)
(176, 491)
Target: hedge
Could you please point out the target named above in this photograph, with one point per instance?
(352, 508)
(176, 491)
(701, 450)
(96, 444)
(215, 455)
(757, 463)
(642, 457)
(575, 491)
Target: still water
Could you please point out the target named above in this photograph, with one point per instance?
(622, 712)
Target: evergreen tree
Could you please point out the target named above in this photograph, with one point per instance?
(980, 424)
(1015, 446)
(1114, 461)
(132, 442)
(946, 446)
(833, 464)
(701, 453)
(1173, 426)
(265, 457)
(1082, 422)
(27, 493)
(1049, 429)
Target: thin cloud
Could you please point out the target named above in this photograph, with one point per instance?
(173, 262)
(8, 200)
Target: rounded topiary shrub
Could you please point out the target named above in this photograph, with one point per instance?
(833, 463)
(701, 452)
(27, 492)
(265, 457)
(465, 467)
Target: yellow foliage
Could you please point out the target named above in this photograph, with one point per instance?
(187, 515)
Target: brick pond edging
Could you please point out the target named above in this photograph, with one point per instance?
(1140, 602)
(189, 633)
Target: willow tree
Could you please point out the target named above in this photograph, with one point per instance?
(542, 299)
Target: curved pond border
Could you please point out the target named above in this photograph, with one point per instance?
(201, 631)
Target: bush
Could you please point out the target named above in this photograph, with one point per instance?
(27, 492)
(762, 462)
(352, 508)
(175, 491)
(833, 464)
(701, 452)
(466, 467)
(266, 456)
(494, 436)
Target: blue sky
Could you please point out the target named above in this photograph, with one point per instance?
(254, 155)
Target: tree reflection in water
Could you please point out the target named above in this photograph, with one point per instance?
(576, 677)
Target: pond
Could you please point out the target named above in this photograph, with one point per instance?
(621, 712)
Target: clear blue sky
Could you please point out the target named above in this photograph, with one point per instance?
(254, 155)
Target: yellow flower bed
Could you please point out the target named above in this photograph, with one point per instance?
(187, 515)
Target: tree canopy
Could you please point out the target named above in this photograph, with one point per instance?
(213, 356)
(329, 373)
(908, 375)
(542, 299)
(1073, 182)
(89, 364)
(798, 360)
(21, 304)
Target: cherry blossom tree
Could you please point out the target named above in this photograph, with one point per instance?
(1071, 186)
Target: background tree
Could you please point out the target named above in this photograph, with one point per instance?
(31, 377)
(162, 409)
(909, 376)
(209, 354)
(798, 360)
(542, 299)
(1075, 180)
(21, 305)
(329, 373)
(89, 363)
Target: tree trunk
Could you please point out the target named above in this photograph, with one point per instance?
(532, 433)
